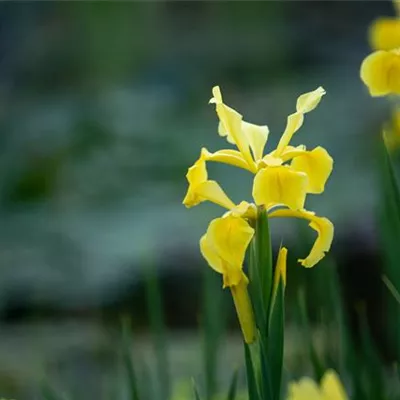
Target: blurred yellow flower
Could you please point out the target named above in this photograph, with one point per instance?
(306, 389)
(384, 34)
(380, 71)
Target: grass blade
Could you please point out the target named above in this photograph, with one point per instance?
(157, 325)
(276, 341)
(127, 360)
(251, 375)
(233, 386)
(195, 390)
(213, 322)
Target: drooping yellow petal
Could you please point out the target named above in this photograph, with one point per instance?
(231, 127)
(244, 309)
(317, 164)
(380, 72)
(384, 34)
(231, 157)
(331, 387)
(211, 191)
(224, 246)
(210, 254)
(257, 137)
(280, 185)
(321, 225)
(200, 189)
(305, 103)
(304, 389)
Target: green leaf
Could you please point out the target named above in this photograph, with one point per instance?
(251, 375)
(195, 390)
(261, 272)
(157, 325)
(213, 322)
(276, 340)
(315, 361)
(233, 386)
(390, 235)
(127, 360)
(50, 393)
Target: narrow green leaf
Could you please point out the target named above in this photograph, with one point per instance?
(233, 386)
(213, 322)
(50, 393)
(316, 363)
(372, 362)
(261, 271)
(195, 390)
(390, 236)
(276, 341)
(158, 330)
(251, 375)
(127, 360)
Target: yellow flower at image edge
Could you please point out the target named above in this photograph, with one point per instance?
(306, 389)
(384, 34)
(380, 72)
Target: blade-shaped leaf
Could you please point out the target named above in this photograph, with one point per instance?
(276, 340)
(157, 325)
(233, 386)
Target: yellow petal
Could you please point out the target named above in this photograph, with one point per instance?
(384, 34)
(224, 246)
(257, 137)
(321, 225)
(211, 191)
(244, 309)
(231, 127)
(280, 185)
(244, 210)
(280, 270)
(231, 157)
(210, 254)
(200, 189)
(309, 101)
(317, 164)
(305, 103)
(380, 72)
(304, 389)
(331, 387)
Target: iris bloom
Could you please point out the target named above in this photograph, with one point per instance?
(380, 71)
(282, 179)
(306, 389)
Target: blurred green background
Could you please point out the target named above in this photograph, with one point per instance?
(103, 107)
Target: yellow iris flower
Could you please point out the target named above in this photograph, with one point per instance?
(306, 389)
(380, 71)
(276, 181)
(278, 187)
